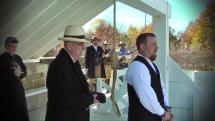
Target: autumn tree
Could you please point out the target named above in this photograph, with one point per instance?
(103, 30)
(200, 33)
(172, 39)
(147, 28)
(133, 32)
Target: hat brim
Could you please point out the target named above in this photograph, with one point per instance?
(73, 39)
(106, 44)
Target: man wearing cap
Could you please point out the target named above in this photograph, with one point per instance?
(93, 59)
(68, 95)
(107, 60)
(123, 54)
(122, 50)
(107, 53)
(106, 47)
(12, 70)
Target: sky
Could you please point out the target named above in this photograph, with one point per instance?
(183, 12)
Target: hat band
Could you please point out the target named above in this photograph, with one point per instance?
(78, 36)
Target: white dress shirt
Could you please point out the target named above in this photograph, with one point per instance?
(95, 47)
(139, 77)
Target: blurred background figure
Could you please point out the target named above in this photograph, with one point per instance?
(123, 54)
(93, 61)
(107, 60)
(106, 47)
(122, 49)
(12, 70)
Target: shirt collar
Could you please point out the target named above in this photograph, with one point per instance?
(95, 46)
(70, 55)
(145, 58)
(11, 54)
(148, 60)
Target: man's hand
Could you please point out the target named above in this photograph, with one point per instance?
(167, 116)
(170, 110)
(95, 100)
(17, 70)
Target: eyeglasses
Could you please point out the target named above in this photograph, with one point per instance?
(78, 43)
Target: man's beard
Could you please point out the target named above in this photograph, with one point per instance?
(153, 57)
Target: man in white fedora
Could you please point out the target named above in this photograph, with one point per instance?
(69, 97)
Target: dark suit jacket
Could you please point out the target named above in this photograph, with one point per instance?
(14, 106)
(68, 94)
(93, 58)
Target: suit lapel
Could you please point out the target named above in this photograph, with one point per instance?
(76, 69)
(93, 49)
(80, 74)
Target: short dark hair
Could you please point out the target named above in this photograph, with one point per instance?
(142, 38)
(11, 40)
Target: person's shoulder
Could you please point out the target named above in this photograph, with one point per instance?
(136, 65)
(60, 58)
(57, 63)
(3, 54)
(89, 47)
(100, 47)
(17, 56)
(137, 68)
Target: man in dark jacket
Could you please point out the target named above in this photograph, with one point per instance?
(12, 70)
(68, 95)
(93, 59)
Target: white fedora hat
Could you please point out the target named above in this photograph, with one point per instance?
(74, 33)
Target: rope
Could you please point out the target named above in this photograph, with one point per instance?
(114, 65)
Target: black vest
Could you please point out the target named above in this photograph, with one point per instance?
(137, 112)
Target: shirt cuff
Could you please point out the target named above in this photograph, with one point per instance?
(168, 107)
(161, 112)
(162, 115)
